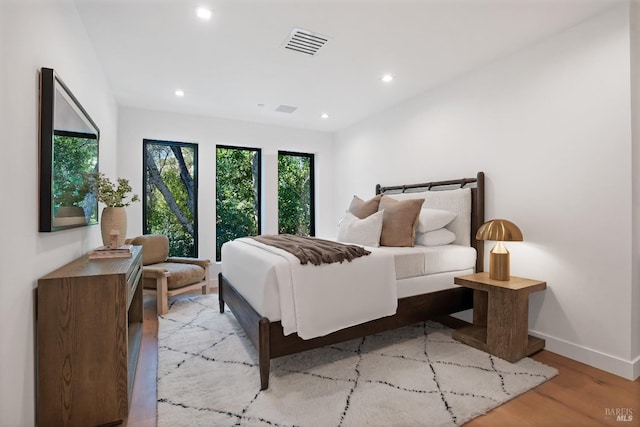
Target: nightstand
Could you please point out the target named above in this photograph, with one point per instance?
(500, 316)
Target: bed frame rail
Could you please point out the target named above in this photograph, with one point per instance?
(268, 337)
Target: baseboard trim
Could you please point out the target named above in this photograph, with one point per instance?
(628, 369)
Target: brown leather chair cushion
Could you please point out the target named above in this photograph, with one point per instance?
(156, 248)
(179, 275)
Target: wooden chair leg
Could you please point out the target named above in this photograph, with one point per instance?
(207, 280)
(161, 295)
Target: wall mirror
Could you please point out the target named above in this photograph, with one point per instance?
(68, 158)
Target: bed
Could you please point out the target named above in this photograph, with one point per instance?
(426, 295)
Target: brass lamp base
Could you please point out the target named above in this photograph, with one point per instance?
(499, 263)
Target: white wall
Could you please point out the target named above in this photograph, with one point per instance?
(551, 127)
(39, 34)
(136, 125)
(635, 119)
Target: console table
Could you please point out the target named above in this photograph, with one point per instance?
(500, 316)
(89, 328)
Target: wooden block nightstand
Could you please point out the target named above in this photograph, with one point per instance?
(500, 316)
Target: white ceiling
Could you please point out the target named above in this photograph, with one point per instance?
(235, 61)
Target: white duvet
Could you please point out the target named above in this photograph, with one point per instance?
(315, 300)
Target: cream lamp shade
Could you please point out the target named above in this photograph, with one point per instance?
(499, 230)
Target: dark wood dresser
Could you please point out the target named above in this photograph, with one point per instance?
(89, 328)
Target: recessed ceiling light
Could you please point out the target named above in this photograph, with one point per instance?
(203, 13)
(387, 78)
(324, 116)
(179, 93)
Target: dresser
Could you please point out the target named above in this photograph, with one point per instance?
(88, 332)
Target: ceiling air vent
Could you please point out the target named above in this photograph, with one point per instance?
(305, 41)
(286, 109)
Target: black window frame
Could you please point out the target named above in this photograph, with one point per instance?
(148, 141)
(259, 183)
(312, 186)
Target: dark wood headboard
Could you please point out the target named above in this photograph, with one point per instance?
(477, 203)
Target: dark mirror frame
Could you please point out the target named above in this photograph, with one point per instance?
(50, 83)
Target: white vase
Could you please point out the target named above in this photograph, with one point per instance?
(113, 219)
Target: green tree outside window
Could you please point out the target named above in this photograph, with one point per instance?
(296, 194)
(170, 194)
(238, 171)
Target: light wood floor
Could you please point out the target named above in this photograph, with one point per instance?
(580, 396)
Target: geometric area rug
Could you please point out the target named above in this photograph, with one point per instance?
(413, 376)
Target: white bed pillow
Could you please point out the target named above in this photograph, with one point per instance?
(352, 229)
(435, 238)
(433, 219)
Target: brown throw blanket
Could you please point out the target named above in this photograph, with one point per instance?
(313, 250)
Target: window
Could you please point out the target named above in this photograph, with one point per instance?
(171, 194)
(238, 172)
(296, 212)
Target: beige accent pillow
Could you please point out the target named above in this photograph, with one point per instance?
(399, 221)
(364, 208)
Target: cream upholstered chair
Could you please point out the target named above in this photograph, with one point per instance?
(169, 276)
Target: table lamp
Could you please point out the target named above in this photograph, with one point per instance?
(499, 230)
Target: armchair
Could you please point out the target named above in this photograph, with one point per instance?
(169, 276)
